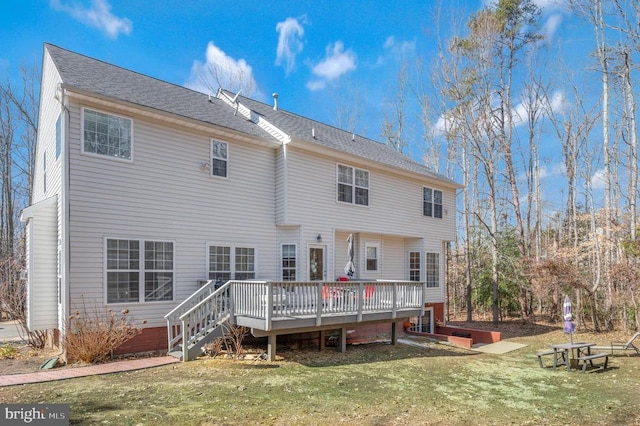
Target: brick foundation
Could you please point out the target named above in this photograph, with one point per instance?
(151, 339)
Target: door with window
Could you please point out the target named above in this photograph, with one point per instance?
(316, 263)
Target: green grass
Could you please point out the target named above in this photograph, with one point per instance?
(376, 384)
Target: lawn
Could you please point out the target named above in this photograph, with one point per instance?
(374, 384)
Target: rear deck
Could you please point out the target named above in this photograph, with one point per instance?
(276, 308)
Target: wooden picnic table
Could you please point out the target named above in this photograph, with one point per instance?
(563, 353)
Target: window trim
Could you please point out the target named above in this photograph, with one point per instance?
(419, 268)
(433, 202)
(95, 154)
(141, 270)
(232, 259)
(429, 273)
(226, 160)
(378, 257)
(353, 185)
(295, 258)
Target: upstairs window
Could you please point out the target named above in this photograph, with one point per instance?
(353, 185)
(106, 134)
(432, 203)
(219, 158)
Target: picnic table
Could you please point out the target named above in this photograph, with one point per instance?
(564, 353)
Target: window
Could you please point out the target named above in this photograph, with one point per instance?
(218, 158)
(372, 252)
(158, 275)
(106, 134)
(432, 202)
(433, 269)
(353, 185)
(127, 266)
(245, 263)
(123, 271)
(221, 263)
(58, 135)
(288, 262)
(414, 266)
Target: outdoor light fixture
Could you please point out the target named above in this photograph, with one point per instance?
(319, 238)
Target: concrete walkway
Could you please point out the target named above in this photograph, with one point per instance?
(73, 372)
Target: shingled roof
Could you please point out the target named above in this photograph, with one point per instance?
(101, 78)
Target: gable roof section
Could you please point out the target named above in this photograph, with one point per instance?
(315, 132)
(93, 76)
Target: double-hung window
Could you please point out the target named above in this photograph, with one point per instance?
(219, 158)
(353, 185)
(288, 262)
(372, 256)
(432, 202)
(433, 269)
(226, 263)
(131, 262)
(106, 134)
(414, 266)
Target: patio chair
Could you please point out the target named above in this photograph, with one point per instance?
(621, 346)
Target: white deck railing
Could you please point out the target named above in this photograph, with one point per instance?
(205, 309)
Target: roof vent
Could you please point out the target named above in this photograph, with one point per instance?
(275, 101)
(353, 137)
(313, 132)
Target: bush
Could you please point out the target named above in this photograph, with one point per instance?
(8, 351)
(92, 336)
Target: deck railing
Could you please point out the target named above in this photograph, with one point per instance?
(268, 301)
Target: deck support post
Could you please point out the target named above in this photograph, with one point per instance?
(394, 334)
(343, 339)
(323, 338)
(271, 347)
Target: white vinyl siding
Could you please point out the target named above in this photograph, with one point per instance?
(107, 135)
(168, 197)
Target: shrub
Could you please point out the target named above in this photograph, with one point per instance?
(8, 351)
(92, 335)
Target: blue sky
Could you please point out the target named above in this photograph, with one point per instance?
(310, 52)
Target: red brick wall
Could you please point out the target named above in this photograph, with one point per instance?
(438, 311)
(151, 339)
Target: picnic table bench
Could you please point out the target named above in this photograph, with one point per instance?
(550, 353)
(589, 359)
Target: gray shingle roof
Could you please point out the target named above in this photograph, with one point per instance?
(95, 76)
(299, 127)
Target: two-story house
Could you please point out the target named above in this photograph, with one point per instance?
(147, 196)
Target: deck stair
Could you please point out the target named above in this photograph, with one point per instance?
(198, 320)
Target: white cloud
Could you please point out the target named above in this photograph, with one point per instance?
(316, 85)
(550, 26)
(98, 16)
(220, 70)
(598, 179)
(289, 41)
(552, 170)
(336, 63)
(401, 48)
